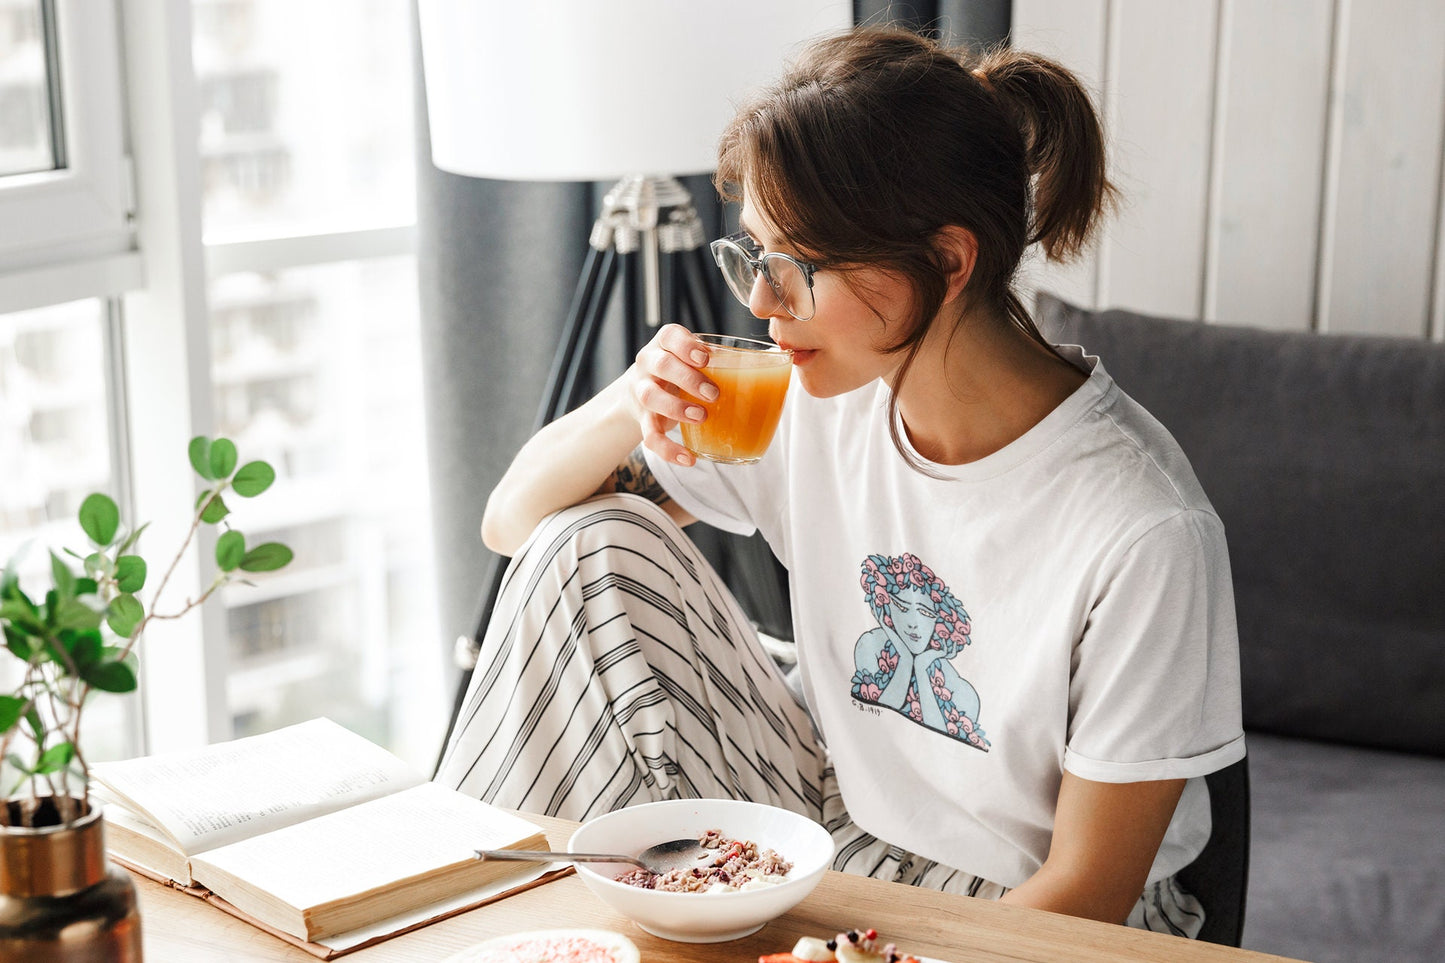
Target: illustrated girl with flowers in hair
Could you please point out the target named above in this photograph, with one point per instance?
(904, 664)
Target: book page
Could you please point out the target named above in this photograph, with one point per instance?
(370, 847)
(217, 795)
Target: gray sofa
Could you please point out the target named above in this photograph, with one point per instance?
(1325, 457)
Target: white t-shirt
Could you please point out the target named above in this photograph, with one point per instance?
(1076, 587)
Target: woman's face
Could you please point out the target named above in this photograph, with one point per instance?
(840, 348)
(914, 618)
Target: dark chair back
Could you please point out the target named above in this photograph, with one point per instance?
(1219, 877)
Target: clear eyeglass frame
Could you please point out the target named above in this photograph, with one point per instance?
(791, 280)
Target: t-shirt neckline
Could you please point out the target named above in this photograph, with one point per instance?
(1030, 443)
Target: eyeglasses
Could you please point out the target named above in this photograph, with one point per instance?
(741, 260)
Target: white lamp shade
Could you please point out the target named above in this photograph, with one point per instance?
(601, 89)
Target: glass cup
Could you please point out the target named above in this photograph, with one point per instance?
(752, 381)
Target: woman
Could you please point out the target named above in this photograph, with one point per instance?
(1045, 746)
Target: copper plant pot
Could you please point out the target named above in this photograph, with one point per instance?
(60, 900)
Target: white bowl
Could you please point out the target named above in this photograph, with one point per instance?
(702, 917)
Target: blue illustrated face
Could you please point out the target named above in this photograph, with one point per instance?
(914, 618)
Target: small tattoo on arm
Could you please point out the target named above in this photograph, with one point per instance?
(635, 477)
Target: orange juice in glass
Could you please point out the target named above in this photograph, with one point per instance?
(752, 381)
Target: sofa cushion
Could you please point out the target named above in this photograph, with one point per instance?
(1325, 457)
(1347, 863)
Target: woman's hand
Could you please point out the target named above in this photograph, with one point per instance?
(666, 370)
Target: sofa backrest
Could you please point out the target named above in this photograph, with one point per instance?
(1325, 457)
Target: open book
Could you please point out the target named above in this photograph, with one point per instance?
(311, 830)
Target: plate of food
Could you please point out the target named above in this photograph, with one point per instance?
(859, 945)
(551, 946)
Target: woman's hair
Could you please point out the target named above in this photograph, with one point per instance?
(877, 138)
(885, 577)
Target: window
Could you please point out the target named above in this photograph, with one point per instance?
(272, 299)
(64, 181)
(318, 370)
(55, 448)
(27, 143)
(305, 147)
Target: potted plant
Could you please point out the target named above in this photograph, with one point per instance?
(59, 899)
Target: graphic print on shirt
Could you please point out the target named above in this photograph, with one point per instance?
(905, 664)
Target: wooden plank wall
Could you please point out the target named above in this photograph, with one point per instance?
(1282, 161)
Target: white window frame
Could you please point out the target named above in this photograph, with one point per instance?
(82, 211)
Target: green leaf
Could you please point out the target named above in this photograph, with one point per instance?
(86, 586)
(200, 455)
(131, 539)
(110, 676)
(99, 565)
(125, 614)
(18, 643)
(253, 479)
(10, 583)
(22, 614)
(63, 576)
(130, 573)
(85, 648)
(99, 518)
(266, 558)
(56, 758)
(11, 709)
(223, 458)
(214, 511)
(32, 719)
(230, 550)
(75, 614)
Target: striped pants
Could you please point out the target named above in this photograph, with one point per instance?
(618, 669)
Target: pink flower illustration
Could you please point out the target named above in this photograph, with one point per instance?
(952, 729)
(870, 692)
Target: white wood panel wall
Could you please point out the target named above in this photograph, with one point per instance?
(1282, 161)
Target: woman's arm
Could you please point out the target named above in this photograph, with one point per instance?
(1105, 839)
(595, 448)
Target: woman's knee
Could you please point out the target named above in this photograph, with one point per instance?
(606, 520)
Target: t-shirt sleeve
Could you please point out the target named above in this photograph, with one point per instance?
(1154, 687)
(729, 497)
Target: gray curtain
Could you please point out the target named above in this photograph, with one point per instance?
(498, 263)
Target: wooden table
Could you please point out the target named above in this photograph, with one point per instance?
(178, 927)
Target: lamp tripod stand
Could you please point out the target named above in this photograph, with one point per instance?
(650, 235)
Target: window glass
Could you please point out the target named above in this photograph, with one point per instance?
(25, 123)
(306, 115)
(55, 450)
(318, 371)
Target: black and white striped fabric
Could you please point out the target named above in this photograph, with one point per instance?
(618, 669)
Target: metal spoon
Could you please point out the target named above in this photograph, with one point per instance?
(673, 854)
